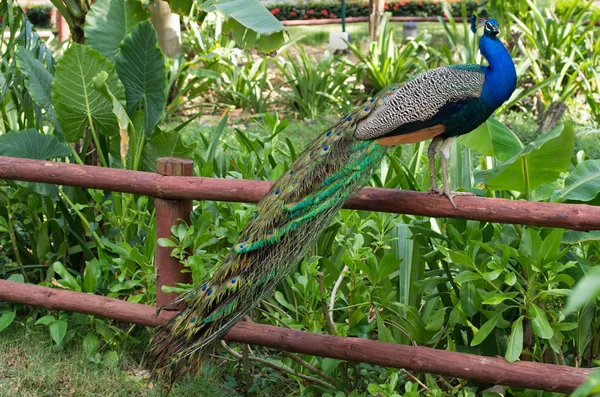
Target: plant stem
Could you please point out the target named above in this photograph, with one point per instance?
(331, 328)
(96, 141)
(281, 368)
(85, 222)
(13, 238)
(526, 179)
(75, 154)
(310, 367)
(337, 285)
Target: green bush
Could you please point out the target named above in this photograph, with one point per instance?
(398, 8)
(39, 15)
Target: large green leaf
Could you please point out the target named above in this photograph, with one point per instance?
(38, 81)
(492, 138)
(515, 341)
(141, 67)
(75, 100)
(6, 319)
(539, 322)
(109, 21)
(250, 24)
(251, 14)
(164, 144)
(30, 144)
(539, 162)
(584, 291)
(486, 329)
(119, 111)
(583, 184)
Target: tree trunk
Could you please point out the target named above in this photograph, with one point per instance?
(167, 27)
(547, 120)
(376, 9)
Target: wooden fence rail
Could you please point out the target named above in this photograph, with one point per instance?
(496, 370)
(568, 216)
(173, 200)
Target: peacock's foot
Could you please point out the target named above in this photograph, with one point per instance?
(451, 196)
(436, 190)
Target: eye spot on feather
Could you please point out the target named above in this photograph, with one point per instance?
(349, 119)
(245, 238)
(204, 286)
(393, 89)
(193, 320)
(256, 215)
(209, 292)
(228, 258)
(367, 109)
(372, 100)
(291, 172)
(328, 133)
(338, 133)
(325, 149)
(233, 281)
(277, 191)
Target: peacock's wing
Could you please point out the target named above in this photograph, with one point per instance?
(418, 109)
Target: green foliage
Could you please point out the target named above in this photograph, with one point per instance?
(550, 49)
(489, 289)
(109, 21)
(40, 15)
(315, 87)
(140, 65)
(386, 63)
(76, 102)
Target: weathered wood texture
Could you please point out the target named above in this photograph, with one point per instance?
(421, 359)
(168, 214)
(568, 216)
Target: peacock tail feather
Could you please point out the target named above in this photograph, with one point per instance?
(287, 223)
(444, 102)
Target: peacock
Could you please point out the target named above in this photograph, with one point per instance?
(440, 104)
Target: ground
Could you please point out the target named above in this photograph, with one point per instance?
(31, 365)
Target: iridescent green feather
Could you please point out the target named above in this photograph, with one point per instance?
(288, 222)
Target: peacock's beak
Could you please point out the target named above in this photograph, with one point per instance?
(495, 31)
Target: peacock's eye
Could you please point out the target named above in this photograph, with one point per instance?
(488, 26)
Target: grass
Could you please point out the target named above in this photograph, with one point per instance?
(31, 365)
(318, 35)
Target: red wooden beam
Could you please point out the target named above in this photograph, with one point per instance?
(169, 213)
(567, 216)
(494, 370)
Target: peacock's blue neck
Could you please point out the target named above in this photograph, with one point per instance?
(500, 75)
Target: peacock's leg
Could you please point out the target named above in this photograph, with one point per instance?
(444, 156)
(431, 152)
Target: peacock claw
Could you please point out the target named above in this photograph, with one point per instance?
(436, 190)
(451, 196)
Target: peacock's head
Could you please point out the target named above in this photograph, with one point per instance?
(490, 26)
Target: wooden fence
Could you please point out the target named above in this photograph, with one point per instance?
(173, 188)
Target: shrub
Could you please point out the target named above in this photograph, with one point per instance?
(356, 8)
(39, 15)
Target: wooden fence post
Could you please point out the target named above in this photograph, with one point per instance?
(168, 213)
